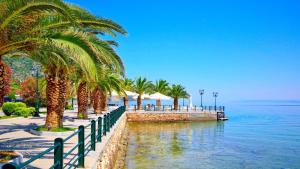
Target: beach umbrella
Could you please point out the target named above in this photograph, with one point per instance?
(116, 97)
(144, 97)
(159, 96)
(131, 94)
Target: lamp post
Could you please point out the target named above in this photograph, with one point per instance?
(215, 95)
(201, 92)
(36, 68)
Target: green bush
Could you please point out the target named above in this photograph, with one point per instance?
(9, 108)
(69, 107)
(20, 104)
(12, 96)
(17, 108)
(24, 111)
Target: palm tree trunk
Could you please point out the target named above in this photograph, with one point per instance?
(62, 83)
(53, 119)
(97, 101)
(139, 102)
(125, 99)
(55, 97)
(82, 98)
(175, 103)
(158, 103)
(2, 85)
(91, 103)
(103, 98)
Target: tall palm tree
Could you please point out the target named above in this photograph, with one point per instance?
(24, 24)
(82, 92)
(176, 92)
(142, 86)
(161, 86)
(109, 80)
(17, 18)
(127, 85)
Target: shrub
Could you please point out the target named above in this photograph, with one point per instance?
(9, 108)
(69, 107)
(28, 91)
(20, 104)
(24, 111)
(17, 108)
(12, 96)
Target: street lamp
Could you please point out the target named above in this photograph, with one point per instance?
(201, 92)
(36, 69)
(215, 95)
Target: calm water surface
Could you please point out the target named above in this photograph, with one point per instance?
(255, 137)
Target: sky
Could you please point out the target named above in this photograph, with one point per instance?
(245, 50)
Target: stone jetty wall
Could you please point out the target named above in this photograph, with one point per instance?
(109, 153)
(169, 117)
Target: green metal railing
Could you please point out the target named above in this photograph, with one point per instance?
(85, 144)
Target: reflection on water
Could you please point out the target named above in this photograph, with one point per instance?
(251, 139)
(165, 145)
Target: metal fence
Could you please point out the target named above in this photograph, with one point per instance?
(85, 144)
(179, 109)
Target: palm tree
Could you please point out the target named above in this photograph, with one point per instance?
(127, 85)
(27, 26)
(17, 18)
(142, 86)
(82, 92)
(109, 80)
(161, 86)
(24, 24)
(72, 48)
(176, 92)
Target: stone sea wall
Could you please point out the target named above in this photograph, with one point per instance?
(169, 117)
(109, 154)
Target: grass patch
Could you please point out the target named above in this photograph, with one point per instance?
(63, 129)
(6, 156)
(7, 117)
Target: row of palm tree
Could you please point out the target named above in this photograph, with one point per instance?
(142, 86)
(66, 40)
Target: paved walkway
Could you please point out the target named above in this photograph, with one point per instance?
(14, 135)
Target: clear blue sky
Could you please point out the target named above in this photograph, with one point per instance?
(242, 49)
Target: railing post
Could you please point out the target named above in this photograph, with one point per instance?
(93, 135)
(104, 125)
(108, 121)
(58, 153)
(81, 147)
(99, 129)
(10, 166)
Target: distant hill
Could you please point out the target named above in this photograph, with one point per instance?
(22, 67)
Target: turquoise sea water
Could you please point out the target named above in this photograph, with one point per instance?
(255, 137)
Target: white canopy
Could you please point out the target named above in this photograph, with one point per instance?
(115, 96)
(144, 97)
(131, 94)
(159, 96)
